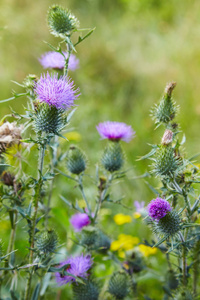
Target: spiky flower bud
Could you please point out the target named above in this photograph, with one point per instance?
(30, 81)
(49, 119)
(61, 21)
(166, 110)
(76, 160)
(47, 241)
(119, 285)
(113, 158)
(103, 242)
(166, 163)
(89, 237)
(169, 225)
(167, 137)
(166, 221)
(172, 280)
(89, 290)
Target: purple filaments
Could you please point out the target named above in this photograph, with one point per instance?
(115, 131)
(158, 208)
(55, 60)
(59, 93)
(78, 266)
(79, 221)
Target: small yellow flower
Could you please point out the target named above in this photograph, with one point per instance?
(136, 215)
(121, 254)
(73, 136)
(146, 250)
(121, 219)
(124, 242)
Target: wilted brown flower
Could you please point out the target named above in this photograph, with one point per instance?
(10, 134)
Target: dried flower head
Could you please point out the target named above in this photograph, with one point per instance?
(115, 131)
(167, 137)
(158, 208)
(55, 60)
(78, 266)
(9, 134)
(79, 221)
(59, 93)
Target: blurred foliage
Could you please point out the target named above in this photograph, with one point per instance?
(137, 47)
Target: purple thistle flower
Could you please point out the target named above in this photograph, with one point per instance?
(115, 131)
(79, 265)
(158, 208)
(79, 221)
(59, 93)
(55, 60)
(139, 205)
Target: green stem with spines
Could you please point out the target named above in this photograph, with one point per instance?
(34, 219)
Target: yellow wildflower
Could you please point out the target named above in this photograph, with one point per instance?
(146, 250)
(124, 242)
(121, 219)
(136, 215)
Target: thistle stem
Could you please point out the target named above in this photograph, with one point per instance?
(34, 219)
(184, 261)
(83, 194)
(196, 260)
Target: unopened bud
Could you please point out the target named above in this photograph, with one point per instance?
(113, 157)
(119, 285)
(76, 160)
(89, 290)
(47, 241)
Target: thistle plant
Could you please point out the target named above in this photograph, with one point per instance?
(49, 264)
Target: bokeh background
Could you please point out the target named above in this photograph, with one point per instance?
(137, 47)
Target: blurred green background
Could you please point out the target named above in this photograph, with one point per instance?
(138, 46)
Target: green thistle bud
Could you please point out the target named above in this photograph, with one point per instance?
(29, 82)
(87, 291)
(61, 21)
(103, 242)
(113, 157)
(119, 285)
(49, 119)
(166, 163)
(76, 160)
(90, 237)
(169, 225)
(166, 110)
(47, 241)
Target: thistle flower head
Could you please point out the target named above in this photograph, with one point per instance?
(61, 21)
(78, 266)
(47, 241)
(158, 208)
(55, 60)
(115, 131)
(119, 285)
(59, 93)
(79, 221)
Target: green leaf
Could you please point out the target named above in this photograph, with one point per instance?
(35, 295)
(80, 39)
(151, 153)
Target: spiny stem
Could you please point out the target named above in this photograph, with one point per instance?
(83, 194)
(34, 219)
(184, 261)
(196, 260)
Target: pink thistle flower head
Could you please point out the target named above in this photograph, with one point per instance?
(59, 93)
(55, 60)
(79, 221)
(115, 131)
(158, 208)
(79, 266)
